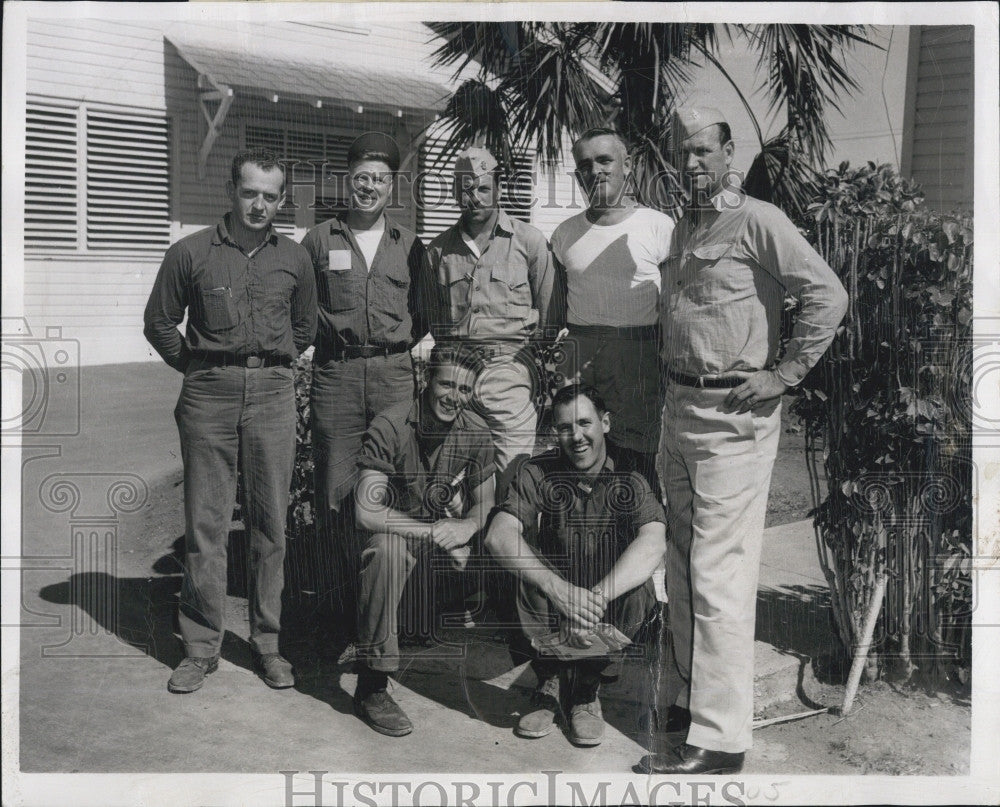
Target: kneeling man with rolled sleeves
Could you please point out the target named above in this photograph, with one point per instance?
(426, 484)
(583, 540)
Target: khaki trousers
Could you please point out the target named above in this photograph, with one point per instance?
(716, 471)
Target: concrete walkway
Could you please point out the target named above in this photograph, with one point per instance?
(99, 586)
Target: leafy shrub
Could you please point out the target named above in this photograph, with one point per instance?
(887, 416)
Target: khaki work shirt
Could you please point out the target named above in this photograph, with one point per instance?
(724, 288)
(503, 295)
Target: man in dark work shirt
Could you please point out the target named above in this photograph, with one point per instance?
(249, 294)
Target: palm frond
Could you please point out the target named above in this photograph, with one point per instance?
(806, 74)
(781, 174)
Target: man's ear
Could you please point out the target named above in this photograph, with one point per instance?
(730, 149)
(606, 422)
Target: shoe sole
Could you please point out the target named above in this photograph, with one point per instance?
(381, 729)
(585, 742)
(276, 685)
(176, 690)
(533, 735)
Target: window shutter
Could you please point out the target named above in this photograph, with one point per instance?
(128, 181)
(51, 185)
(517, 190)
(436, 207)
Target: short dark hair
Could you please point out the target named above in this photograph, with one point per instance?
(725, 133)
(573, 391)
(262, 158)
(459, 354)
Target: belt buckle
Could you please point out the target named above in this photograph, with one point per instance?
(254, 361)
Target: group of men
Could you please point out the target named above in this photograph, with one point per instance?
(668, 353)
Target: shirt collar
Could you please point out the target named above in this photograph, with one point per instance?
(503, 225)
(722, 198)
(222, 235)
(607, 468)
(339, 224)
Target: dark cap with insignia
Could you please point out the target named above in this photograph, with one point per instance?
(374, 146)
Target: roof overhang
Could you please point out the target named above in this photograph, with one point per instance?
(226, 70)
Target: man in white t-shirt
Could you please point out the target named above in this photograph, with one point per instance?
(609, 258)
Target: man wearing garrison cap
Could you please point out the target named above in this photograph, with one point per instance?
(369, 317)
(493, 281)
(733, 261)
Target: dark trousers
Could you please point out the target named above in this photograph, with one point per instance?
(539, 616)
(229, 418)
(346, 395)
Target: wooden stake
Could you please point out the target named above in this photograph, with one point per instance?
(864, 646)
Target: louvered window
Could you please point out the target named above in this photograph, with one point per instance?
(96, 180)
(315, 161)
(437, 209)
(52, 166)
(128, 182)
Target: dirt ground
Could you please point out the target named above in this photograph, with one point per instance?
(892, 730)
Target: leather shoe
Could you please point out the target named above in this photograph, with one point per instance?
(382, 713)
(586, 723)
(190, 674)
(276, 672)
(689, 759)
(539, 721)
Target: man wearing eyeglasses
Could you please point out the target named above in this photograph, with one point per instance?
(369, 318)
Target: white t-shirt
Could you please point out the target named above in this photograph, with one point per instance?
(368, 241)
(613, 271)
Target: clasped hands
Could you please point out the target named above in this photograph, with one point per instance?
(452, 535)
(582, 608)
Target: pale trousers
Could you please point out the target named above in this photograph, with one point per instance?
(504, 396)
(716, 471)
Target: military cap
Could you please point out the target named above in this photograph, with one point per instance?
(689, 120)
(370, 143)
(475, 161)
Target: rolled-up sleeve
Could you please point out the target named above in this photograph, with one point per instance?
(166, 306)
(781, 251)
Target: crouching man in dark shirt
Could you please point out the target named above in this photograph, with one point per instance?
(583, 539)
(426, 484)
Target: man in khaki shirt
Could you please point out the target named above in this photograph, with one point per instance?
(493, 282)
(733, 261)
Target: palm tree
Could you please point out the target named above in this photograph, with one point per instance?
(536, 81)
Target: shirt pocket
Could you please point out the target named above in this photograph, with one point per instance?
(339, 289)
(716, 276)
(218, 309)
(510, 291)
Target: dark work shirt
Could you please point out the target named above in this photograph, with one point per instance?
(431, 474)
(361, 307)
(581, 526)
(237, 304)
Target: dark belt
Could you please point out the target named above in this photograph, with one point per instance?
(701, 381)
(368, 351)
(252, 362)
(638, 333)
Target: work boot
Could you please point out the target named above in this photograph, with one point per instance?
(276, 672)
(545, 702)
(374, 705)
(586, 721)
(190, 674)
